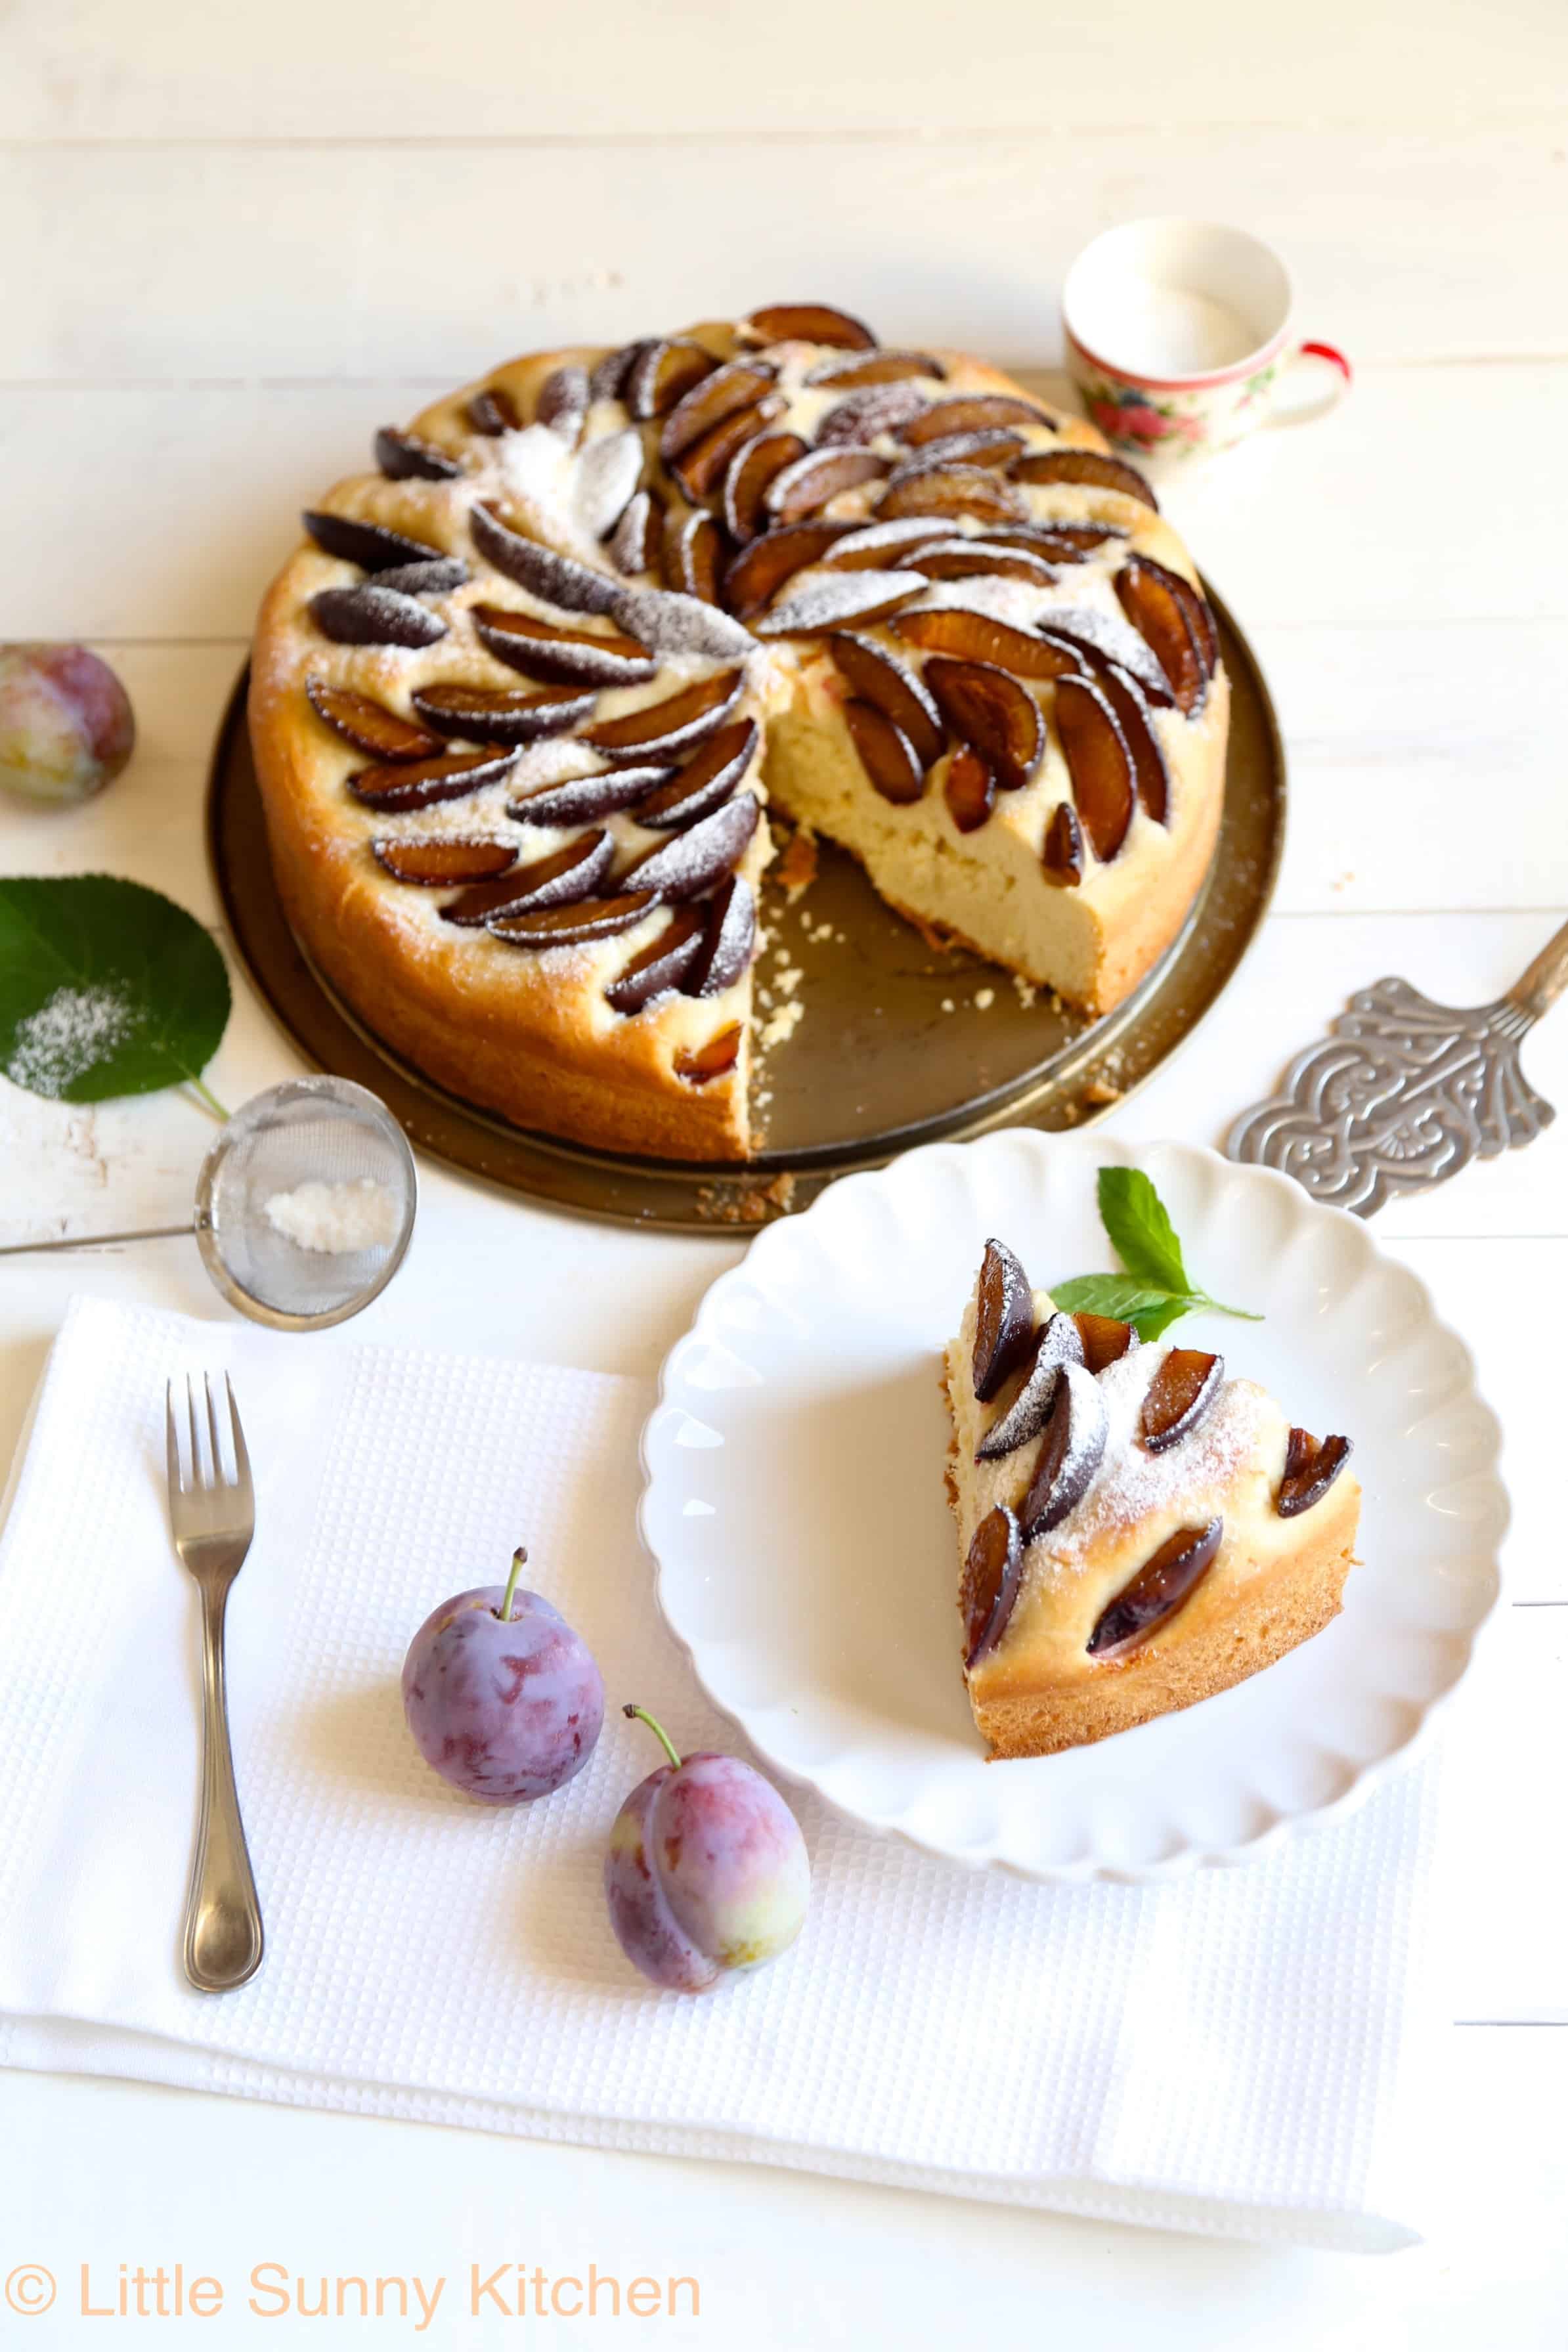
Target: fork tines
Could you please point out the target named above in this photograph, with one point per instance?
(214, 1475)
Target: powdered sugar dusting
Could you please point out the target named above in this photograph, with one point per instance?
(1133, 1484)
(607, 474)
(672, 623)
(63, 1039)
(834, 598)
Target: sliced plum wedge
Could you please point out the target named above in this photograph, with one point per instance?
(679, 723)
(1004, 1320)
(659, 968)
(1086, 465)
(1099, 763)
(1160, 1587)
(811, 322)
(368, 725)
(987, 706)
(879, 676)
(751, 468)
(889, 758)
(990, 1584)
(975, 637)
(542, 649)
(1061, 859)
(729, 939)
(712, 1059)
(574, 926)
(1070, 1452)
(705, 783)
(502, 714)
(1106, 1339)
(1158, 614)
(369, 615)
(1057, 1343)
(969, 412)
(404, 457)
(369, 544)
(422, 783)
(969, 788)
(698, 860)
(1183, 1392)
(800, 488)
(437, 860)
(1312, 1465)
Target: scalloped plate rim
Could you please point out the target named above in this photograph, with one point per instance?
(1096, 1150)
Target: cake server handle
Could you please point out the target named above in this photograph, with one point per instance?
(1542, 982)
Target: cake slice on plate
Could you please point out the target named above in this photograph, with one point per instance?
(1136, 1530)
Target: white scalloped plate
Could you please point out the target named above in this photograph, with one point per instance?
(795, 1507)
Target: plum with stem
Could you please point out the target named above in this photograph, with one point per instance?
(707, 1869)
(503, 1699)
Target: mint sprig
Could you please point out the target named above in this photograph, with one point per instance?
(106, 988)
(1155, 1291)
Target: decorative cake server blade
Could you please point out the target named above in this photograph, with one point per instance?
(1402, 1092)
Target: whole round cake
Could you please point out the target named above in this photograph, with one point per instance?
(521, 700)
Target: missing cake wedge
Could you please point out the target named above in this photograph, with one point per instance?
(1136, 1530)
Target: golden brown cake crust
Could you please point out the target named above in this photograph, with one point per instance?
(1287, 1603)
(527, 1035)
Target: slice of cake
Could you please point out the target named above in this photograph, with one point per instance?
(1137, 1531)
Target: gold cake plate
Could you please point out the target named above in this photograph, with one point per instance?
(900, 1041)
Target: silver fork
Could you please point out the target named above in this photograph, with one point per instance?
(213, 1518)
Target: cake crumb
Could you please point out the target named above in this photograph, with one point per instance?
(796, 868)
(779, 1025)
(985, 998)
(1025, 989)
(745, 1204)
(789, 979)
(1098, 1091)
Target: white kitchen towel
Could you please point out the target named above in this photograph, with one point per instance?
(1220, 2054)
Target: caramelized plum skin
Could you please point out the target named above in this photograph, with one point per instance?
(65, 722)
(504, 1712)
(1183, 1392)
(990, 1572)
(1004, 1322)
(1311, 1469)
(706, 1871)
(1160, 1588)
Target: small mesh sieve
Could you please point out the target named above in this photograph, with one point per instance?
(305, 1204)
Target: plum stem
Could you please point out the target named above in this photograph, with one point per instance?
(504, 1612)
(658, 1732)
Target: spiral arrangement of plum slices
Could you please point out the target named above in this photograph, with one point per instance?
(814, 487)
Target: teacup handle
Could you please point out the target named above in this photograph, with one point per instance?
(1306, 412)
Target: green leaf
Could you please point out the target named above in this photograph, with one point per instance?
(1139, 1231)
(106, 988)
(1148, 1310)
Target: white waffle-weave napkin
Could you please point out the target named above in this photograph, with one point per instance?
(1217, 2055)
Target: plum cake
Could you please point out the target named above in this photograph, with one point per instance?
(520, 699)
(1136, 1530)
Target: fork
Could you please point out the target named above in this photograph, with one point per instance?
(213, 1518)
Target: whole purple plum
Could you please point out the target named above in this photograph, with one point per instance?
(504, 1700)
(707, 1870)
(65, 722)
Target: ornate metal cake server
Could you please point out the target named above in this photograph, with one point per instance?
(1402, 1092)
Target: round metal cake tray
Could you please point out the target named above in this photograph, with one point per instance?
(900, 1041)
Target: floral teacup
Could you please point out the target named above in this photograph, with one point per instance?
(1178, 337)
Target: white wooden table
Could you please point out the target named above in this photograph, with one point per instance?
(237, 241)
